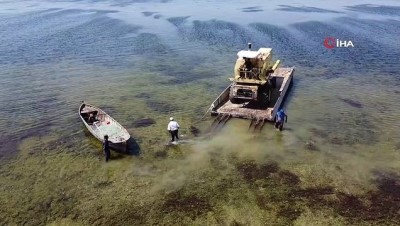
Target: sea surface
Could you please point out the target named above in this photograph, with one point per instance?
(143, 61)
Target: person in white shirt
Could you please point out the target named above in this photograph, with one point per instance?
(173, 128)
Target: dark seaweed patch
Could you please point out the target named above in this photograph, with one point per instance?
(8, 146)
(316, 32)
(364, 27)
(190, 205)
(263, 202)
(286, 44)
(103, 11)
(161, 154)
(336, 140)
(161, 107)
(236, 223)
(185, 72)
(102, 184)
(305, 9)
(283, 189)
(389, 184)
(36, 131)
(374, 206)
(271, 167)
(97, 36)
(131, 216)
(125, 3)
(252, 172)
(339, 60)
(108, 109)
(315, 196)
(289, 213)
(376, 9)
(287, 177)
(145, 122)
(252, 9)
(219, 33)
(143, 96)
(382, 204)
(350, 128)
(194, 131)
(60, 204)
(273, 188)
(66, 143)
(148, 44)
(349, 205)
(357, 129)
(352, 103)
(178, 21)
(147, 13)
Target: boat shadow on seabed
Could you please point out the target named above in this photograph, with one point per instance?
(131, 147)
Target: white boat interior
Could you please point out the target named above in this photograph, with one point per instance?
(100, 124)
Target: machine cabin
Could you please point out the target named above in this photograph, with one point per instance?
(253, 66)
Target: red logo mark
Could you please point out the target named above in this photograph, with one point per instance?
(329, 42)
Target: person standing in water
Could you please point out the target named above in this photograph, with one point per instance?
(173, 128)
(281, 117)
(106, 148)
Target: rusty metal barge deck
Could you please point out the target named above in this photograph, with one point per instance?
(225, 109)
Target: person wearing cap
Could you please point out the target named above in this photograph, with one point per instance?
(173, 128)
(281, 117)
(106, 148)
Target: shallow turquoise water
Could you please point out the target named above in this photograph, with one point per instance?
(54, 54)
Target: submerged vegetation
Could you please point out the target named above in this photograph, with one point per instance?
(51, 186)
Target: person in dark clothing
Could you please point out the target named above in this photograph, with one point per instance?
(91, 119)
(281, 117)
(247, 67)
(247, 64)
(106, 148)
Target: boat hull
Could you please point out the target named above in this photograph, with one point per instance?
(102, 125)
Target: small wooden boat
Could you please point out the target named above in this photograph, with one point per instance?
(100, 124)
